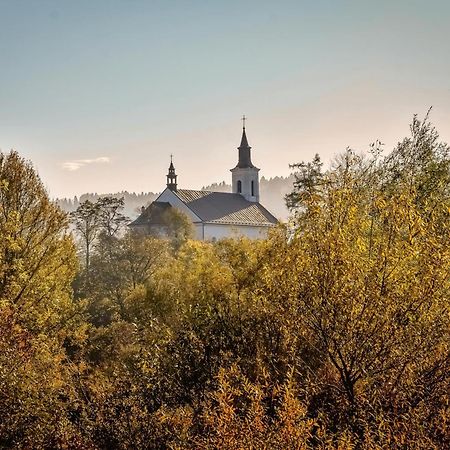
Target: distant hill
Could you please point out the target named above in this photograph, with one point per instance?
(133, 201)
(272, 192)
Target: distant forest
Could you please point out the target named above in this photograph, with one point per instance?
(272, 192)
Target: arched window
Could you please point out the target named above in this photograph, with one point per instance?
(253, 188)
(239, 187)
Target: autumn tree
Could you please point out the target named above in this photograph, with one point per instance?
(37, 264)
(36, 251)
(370, 267)
(120, 267)
(178, 227)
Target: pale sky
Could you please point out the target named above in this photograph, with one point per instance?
(99, 93)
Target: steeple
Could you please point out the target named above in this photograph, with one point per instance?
(244, 142)
(244, 150)
(245, 179)
(172, 177)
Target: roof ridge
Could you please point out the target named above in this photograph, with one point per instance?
(224, 207)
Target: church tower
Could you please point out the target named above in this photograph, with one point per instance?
(172, 177)
(245, 178)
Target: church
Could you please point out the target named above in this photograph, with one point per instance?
(214, 215)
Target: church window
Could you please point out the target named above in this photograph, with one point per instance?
(239, 186)
(253, 188)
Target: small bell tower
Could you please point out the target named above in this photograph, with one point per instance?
(172, 177)
(245, 177)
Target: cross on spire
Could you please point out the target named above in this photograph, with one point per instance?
(243, 121)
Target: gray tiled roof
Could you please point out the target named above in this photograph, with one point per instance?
(224, 207)
(153, 214)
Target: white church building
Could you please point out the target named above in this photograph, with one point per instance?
(214, 215)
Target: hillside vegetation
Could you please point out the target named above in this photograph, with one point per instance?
(331, 334)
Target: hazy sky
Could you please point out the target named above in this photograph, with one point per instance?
(99, 93)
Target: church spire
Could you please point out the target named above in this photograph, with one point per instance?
(245, 179)
(244, 142)
(244, 149)
(172, 176)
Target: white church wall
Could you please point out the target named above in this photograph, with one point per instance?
(221, 231)
(212, 231)
(198, 231)
(168, 196)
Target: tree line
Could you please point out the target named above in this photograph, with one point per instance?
(331, 333)
(132, 202)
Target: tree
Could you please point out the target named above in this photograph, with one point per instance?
(370, 267)
(307, 182)
(37, 265)
(36, 251)
(103, 219)
(86, 219)
(119, 266)
(141, 257)
(178, 226)
(111, 218)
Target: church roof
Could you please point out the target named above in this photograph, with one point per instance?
(153, 214)
(225, 208)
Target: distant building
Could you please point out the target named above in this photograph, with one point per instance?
(214, 215)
